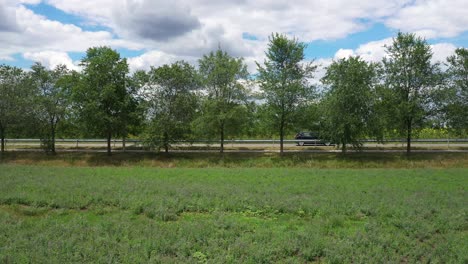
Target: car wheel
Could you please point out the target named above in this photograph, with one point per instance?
(301, 143)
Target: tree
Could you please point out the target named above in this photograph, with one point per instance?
(172, 103)
(52, 100)
(409, 78)
(137, 84)
(455, 105)
(103, 100)
(284, 81)
(13, 96)
(223, 109)
(348, 102)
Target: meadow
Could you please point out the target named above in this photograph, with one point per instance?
(233, 214)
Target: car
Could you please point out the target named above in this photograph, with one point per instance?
(312, 138)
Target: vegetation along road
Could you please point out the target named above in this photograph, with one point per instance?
(220, 215)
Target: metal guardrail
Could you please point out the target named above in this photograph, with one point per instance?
(234, 141)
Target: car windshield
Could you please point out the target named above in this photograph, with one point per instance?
(308, 134)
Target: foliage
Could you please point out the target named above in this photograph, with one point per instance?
(284, 81)
(455, 103)
(223, 109)
(53, 100)
(409, 79)
(172, 103)
(14, 100)
(104, 102)
(349, 101)
(218, 215)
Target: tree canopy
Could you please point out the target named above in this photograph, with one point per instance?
(409, 77)
(284, 81)
(172, 103)
(404, 95)
(15, 94)
(53, 100)
(348, 102)
(223, 110)
(102, 98)
(456, 92)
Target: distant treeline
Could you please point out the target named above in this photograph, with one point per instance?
(401, 96)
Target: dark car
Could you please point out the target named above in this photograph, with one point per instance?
(310, 138)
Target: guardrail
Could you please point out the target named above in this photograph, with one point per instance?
(234, 141)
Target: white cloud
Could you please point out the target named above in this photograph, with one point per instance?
(432, 18)
(441, 51)
(188, 29)
(31, 2)
(321, 70)
(372, 51)
(34, 34)
(155, 58)
(224, 22)
(51, 59)
(344, 53)
(375, 51)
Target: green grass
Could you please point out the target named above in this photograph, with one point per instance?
(232, 215)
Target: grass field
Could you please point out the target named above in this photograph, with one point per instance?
(52, 214)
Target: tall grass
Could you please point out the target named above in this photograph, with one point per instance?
(243, 160)
(232, 215)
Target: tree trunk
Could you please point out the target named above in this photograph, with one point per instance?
(222, 139)
(344, 139)
(281, 138)
(109, 137)
(2, 135)
(166, 144)
(408, 139)
(52, 146)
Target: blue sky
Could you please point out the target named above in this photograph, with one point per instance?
(153, 32)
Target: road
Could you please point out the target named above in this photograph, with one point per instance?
(249, 147)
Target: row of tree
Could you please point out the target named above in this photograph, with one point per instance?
(356, 99)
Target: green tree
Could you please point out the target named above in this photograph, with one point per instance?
(137, 85)
(223, 110)
(409, 78)
(172, 103)
(104, 103)
(284, 81)
(348, 101)
(455, 105)
(13, 96)
(69, 124)
(52, 100)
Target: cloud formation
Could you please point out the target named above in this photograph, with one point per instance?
(155, 21)
(7, 18)
(433, 18)
(375, 51)
(173, 30)
(51, 59)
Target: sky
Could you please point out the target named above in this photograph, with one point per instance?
(153, 32)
